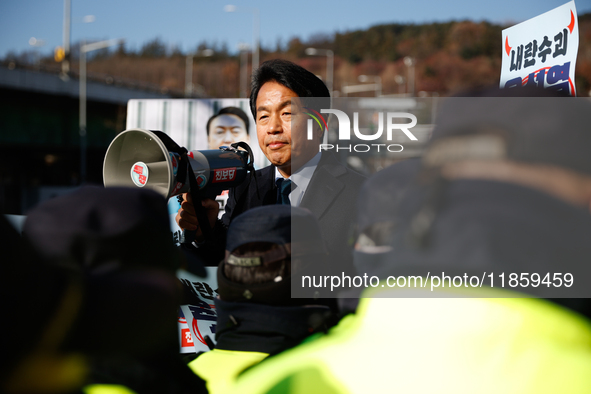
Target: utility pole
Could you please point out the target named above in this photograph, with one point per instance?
(67, 24)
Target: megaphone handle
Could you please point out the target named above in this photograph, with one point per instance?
(200, 211)
(189, 236)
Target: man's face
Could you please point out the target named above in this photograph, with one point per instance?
(281, 129)
(225, 130)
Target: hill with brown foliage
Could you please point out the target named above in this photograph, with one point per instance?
(449, 57)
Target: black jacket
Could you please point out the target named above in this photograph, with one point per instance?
(331, 196)
(486, 227)
(250, 327)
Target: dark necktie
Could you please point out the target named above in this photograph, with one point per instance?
(283, 190)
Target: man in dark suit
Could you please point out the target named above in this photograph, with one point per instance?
(299, 173)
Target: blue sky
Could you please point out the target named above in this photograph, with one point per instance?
(185, 23)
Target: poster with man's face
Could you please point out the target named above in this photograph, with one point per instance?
(225, 129)
(186, 122)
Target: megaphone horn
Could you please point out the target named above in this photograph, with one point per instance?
(143, 158)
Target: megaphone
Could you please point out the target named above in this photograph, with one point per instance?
(150, 159)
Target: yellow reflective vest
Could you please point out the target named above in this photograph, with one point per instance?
(220, 368)
(438, 345)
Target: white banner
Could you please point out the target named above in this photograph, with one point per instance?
(198, 321)
(542, 51)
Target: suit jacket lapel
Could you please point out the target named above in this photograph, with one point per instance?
(324, 187)
(247, 196)
(266, 187)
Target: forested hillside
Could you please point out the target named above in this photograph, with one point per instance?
(448, 57)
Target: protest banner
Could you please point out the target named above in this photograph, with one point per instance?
(542, 51)
(198, 320)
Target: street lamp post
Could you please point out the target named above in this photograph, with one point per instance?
(410, 63)
(84, 48)
(189, 70)
(62, 54)
(256, 28)
(243, 48)
(66, 38)
(255, 31)
(399, 79)
(37, 43)
(329, 64)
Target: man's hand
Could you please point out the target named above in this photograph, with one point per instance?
(186, 217)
